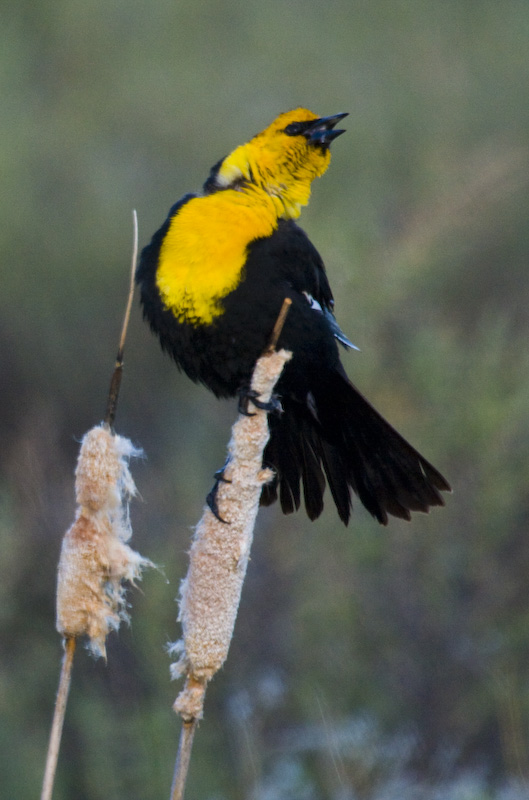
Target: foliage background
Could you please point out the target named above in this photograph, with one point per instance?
(367, 662)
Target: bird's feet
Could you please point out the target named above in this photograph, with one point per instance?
(247, 396)
(211, 498)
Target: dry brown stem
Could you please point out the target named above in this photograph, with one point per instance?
(183, 758)
(117, 374)
(278, 327)
(58, 719)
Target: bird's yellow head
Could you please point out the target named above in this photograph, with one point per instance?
(282, 160)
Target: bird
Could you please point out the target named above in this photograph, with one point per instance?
(212, 282)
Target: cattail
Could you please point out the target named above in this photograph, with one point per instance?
(95, 557)
(211, 591)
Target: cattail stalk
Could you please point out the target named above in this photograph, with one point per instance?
(95, 557)
(115, 383)
(58, 719)
(210, 593)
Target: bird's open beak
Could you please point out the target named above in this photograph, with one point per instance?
(322, 132)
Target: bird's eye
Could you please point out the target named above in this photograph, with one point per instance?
(295, 128)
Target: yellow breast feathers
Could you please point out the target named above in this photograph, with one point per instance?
(203, 253)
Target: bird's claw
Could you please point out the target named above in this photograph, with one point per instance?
(219, 474)
(247, 396)
(211, 499)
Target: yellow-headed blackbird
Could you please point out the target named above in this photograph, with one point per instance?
(213, 280)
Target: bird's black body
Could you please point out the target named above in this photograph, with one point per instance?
(327, 429)
(327, 433)
(222, 355)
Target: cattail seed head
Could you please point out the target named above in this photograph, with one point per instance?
(95, 558)
(211, 591)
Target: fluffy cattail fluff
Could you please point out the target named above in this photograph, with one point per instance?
(219, 555)
(95, 558)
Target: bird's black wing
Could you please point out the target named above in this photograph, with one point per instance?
(303, 266)
(304, 270)
(329, 433)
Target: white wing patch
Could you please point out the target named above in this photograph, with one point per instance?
(335, 328)
(312, 302)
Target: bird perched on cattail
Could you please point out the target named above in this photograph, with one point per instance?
(213, 280)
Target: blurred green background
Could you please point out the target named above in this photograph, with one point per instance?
(368, 663)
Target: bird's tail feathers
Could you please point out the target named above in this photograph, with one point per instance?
(338, 435)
